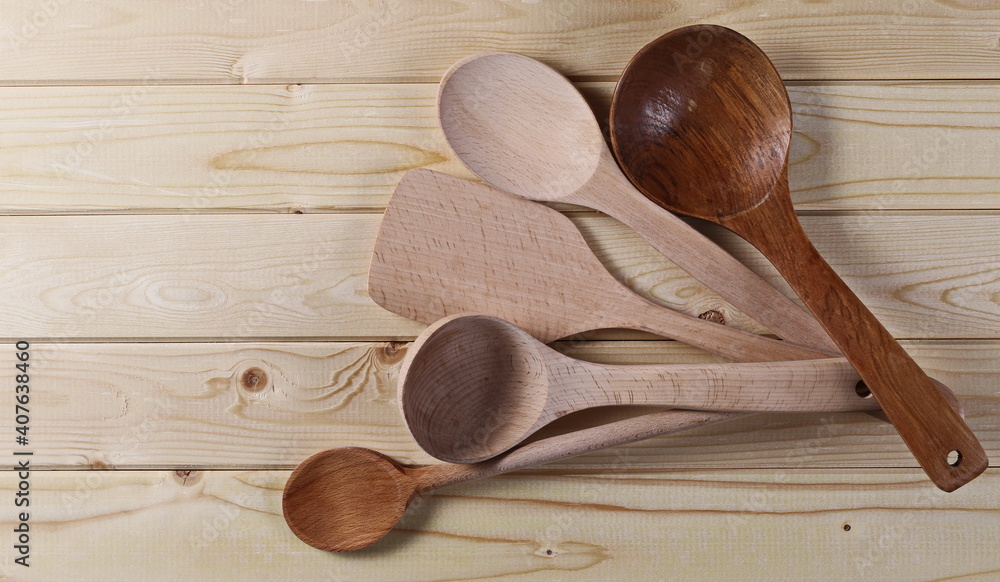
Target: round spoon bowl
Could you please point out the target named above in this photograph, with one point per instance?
(482, 89)
(677, 134)
(471, 386)
(345, 499)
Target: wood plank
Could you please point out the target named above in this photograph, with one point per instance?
(271, 405)
(234, 42)
(295, 148)
(269, 276)
(236, 276)
(316, 148)
(752, 524)
(894, 147)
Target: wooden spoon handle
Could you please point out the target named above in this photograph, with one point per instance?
(564, 446)
(937, 436)
(826, 385)
(718, 270)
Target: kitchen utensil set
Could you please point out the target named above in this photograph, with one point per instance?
(496, 276)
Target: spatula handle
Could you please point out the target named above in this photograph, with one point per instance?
(936, 434)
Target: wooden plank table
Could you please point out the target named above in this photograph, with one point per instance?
(190, 191)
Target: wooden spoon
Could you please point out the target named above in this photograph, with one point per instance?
(474, 386)
(449, 246)
(521, 126)
(348, 498)
(701, 123)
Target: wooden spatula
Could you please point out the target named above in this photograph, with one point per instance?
(449, 246)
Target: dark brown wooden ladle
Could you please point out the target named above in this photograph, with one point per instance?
(701, 124)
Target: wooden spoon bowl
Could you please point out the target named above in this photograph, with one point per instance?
(473, 387)
(708, 137)
(534, 102)
(327, 501)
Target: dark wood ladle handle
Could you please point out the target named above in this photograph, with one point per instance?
(937, 436)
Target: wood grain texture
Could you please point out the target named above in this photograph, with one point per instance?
(894, 146)
(291, 148)
(192, 276)
(882, 524)
(272, 404)
(158, 278)
(228, 41)
(322, 148)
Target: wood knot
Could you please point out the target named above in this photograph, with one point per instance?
(713, 315)
(99, 465)
(187, 477)
(253, 379)
(391, 352)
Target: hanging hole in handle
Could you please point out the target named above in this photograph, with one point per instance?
(862, 389)
(954, 458)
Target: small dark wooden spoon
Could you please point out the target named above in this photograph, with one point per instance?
(701, 124)
(346, 499)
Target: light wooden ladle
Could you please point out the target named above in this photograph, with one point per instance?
(524, 128)
(474, 386)
(705, 132)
